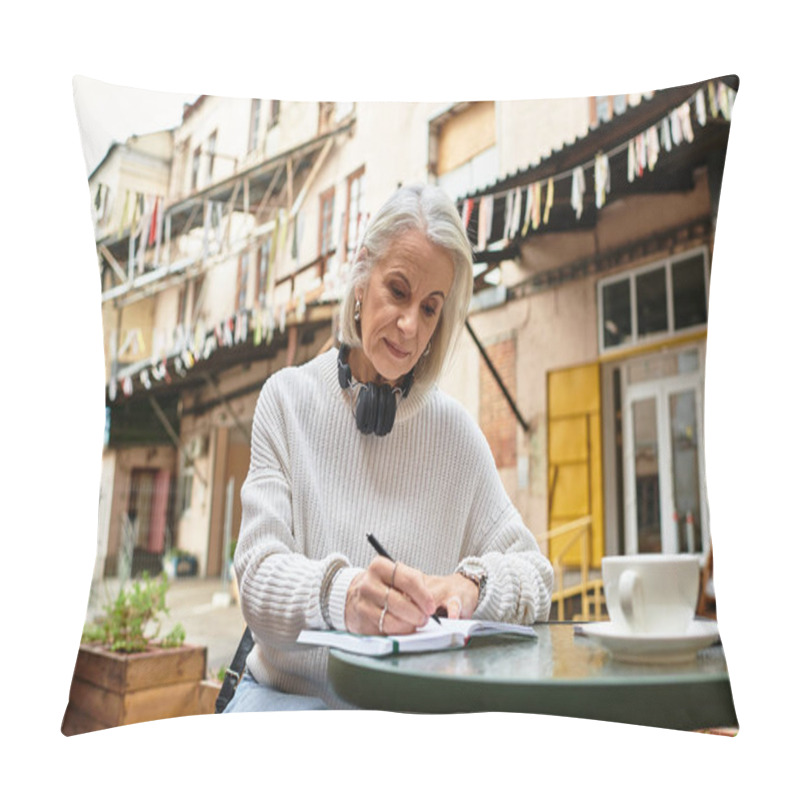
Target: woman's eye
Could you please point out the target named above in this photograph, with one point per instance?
(429, 310)
(397, 292)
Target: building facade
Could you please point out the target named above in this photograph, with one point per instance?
(583, 358)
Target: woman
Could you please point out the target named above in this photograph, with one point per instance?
(360, 441)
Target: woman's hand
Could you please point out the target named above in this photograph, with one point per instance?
(454, 594)
(388, 598)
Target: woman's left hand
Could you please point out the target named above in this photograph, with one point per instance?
(455, 594)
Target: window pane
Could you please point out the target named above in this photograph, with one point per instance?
(685, 471)
(616, 313)
(648, 495)
(663, 365)
(255, 112)
(689, 292)
(651, 301)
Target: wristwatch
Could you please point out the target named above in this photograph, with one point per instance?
(477, 575)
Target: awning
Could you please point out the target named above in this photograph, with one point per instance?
(699, 118)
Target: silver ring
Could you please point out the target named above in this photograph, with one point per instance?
(394, 570)
(380, 622)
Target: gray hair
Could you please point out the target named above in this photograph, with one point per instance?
(429, 210)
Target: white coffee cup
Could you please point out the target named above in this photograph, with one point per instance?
(651, 593)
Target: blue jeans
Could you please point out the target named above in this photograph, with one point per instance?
(251, 695)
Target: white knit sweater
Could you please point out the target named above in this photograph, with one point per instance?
(316, 487)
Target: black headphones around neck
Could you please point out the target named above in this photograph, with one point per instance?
(377, 403)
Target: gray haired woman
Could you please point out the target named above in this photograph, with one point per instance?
(360, 440)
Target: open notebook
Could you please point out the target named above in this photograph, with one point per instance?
(451, 633)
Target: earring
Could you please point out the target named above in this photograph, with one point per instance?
(357, 315)
(427, 350)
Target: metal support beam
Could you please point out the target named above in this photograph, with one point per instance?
(497, 377)
(162, 418)
(224, 400)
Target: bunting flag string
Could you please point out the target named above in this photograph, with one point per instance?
(528, 209)
(525, 208)
(548, 203)
(523, 205)
(578, 189)
(602, 179)
(536, 209)
(467, 213)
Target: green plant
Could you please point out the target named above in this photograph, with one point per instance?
(132, 621)
(175, 637)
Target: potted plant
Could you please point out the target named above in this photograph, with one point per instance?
(125, 672)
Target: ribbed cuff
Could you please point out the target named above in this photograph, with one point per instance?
(338, 596)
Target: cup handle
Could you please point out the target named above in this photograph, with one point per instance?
(630, 598)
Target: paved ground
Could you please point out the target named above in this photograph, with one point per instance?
(206, 609)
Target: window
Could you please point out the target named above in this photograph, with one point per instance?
(463, 152)
(325, 227)
(241, 281)
(651, 301)
(255, 112)
(654, 301)
(616, 305)
(274, 113)
(185, 484)
(602, 109)
(212, 151)
(689, 292)
(196, 167)
(354, 212)
(326, 117)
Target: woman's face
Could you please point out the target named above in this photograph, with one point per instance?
(400, 307)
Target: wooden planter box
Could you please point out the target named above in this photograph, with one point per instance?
(110, 689)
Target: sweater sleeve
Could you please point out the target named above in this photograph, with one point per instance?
(519, 581)
(282, 591)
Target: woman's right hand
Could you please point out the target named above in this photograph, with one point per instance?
(388, 598)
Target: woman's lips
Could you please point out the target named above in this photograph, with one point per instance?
(397, 352)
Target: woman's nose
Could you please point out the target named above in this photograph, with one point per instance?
(408, 322)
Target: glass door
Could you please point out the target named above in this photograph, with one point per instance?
(664, 484)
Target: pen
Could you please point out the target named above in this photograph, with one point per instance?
(378, 547)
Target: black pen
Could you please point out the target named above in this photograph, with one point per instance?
(381, 552)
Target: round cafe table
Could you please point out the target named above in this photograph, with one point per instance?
(560, 673)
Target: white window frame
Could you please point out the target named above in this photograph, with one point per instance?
(631, 275)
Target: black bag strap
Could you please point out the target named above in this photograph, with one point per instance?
(234, 673)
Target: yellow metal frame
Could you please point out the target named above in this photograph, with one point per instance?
(590, 590)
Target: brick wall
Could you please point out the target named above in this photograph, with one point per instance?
(497, 420)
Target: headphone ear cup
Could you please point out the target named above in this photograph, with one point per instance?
(387, 406)
(343, 368)
(366, 408)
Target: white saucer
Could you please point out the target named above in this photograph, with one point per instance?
(653, 648)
